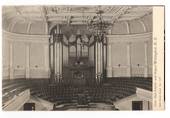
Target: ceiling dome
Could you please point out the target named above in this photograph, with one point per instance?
(136, 26)
(33, 19)
(25, 27)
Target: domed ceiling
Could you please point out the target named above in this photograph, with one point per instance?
(39, 20)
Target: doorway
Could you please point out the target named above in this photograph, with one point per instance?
(137, 105)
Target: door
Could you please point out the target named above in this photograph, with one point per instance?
(137, 105)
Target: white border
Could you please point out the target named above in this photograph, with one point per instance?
(158, 58)
(86, 114)
(85, 2)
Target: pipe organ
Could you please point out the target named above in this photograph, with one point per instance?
(76, 56)
(56, 55)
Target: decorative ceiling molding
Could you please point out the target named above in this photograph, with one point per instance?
(69, 15)
(119, 13)
(44, 13)
(75, 13)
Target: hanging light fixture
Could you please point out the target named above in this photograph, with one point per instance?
(98, 26)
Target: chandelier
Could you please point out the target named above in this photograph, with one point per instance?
(98, 26)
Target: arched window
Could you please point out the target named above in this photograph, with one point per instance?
(72, 51)
(79, 48)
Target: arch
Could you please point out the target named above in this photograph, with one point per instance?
(127, 25)
(143, 25)
(12, 25)
(72, 51)
(28, 27)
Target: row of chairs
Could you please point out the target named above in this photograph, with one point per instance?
(145, 83)
(112, 88)
(11, 88)
(96, 93)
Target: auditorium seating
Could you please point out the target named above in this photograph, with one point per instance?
(111, 89)
(10, 88)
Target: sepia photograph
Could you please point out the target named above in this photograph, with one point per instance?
(82, 58)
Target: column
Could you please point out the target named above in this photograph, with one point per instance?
(56, 61)
(109, 60)
(146, 59)
(27, 60)
(11, 70)
(128, 48)
(112, 64)
(96, 59)
(46, 59)
(104, 55)
(53, 51)
(99, 62)
(101, 56)
(51, 59)
(61, 60)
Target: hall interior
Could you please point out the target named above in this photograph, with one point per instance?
(72, 57)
